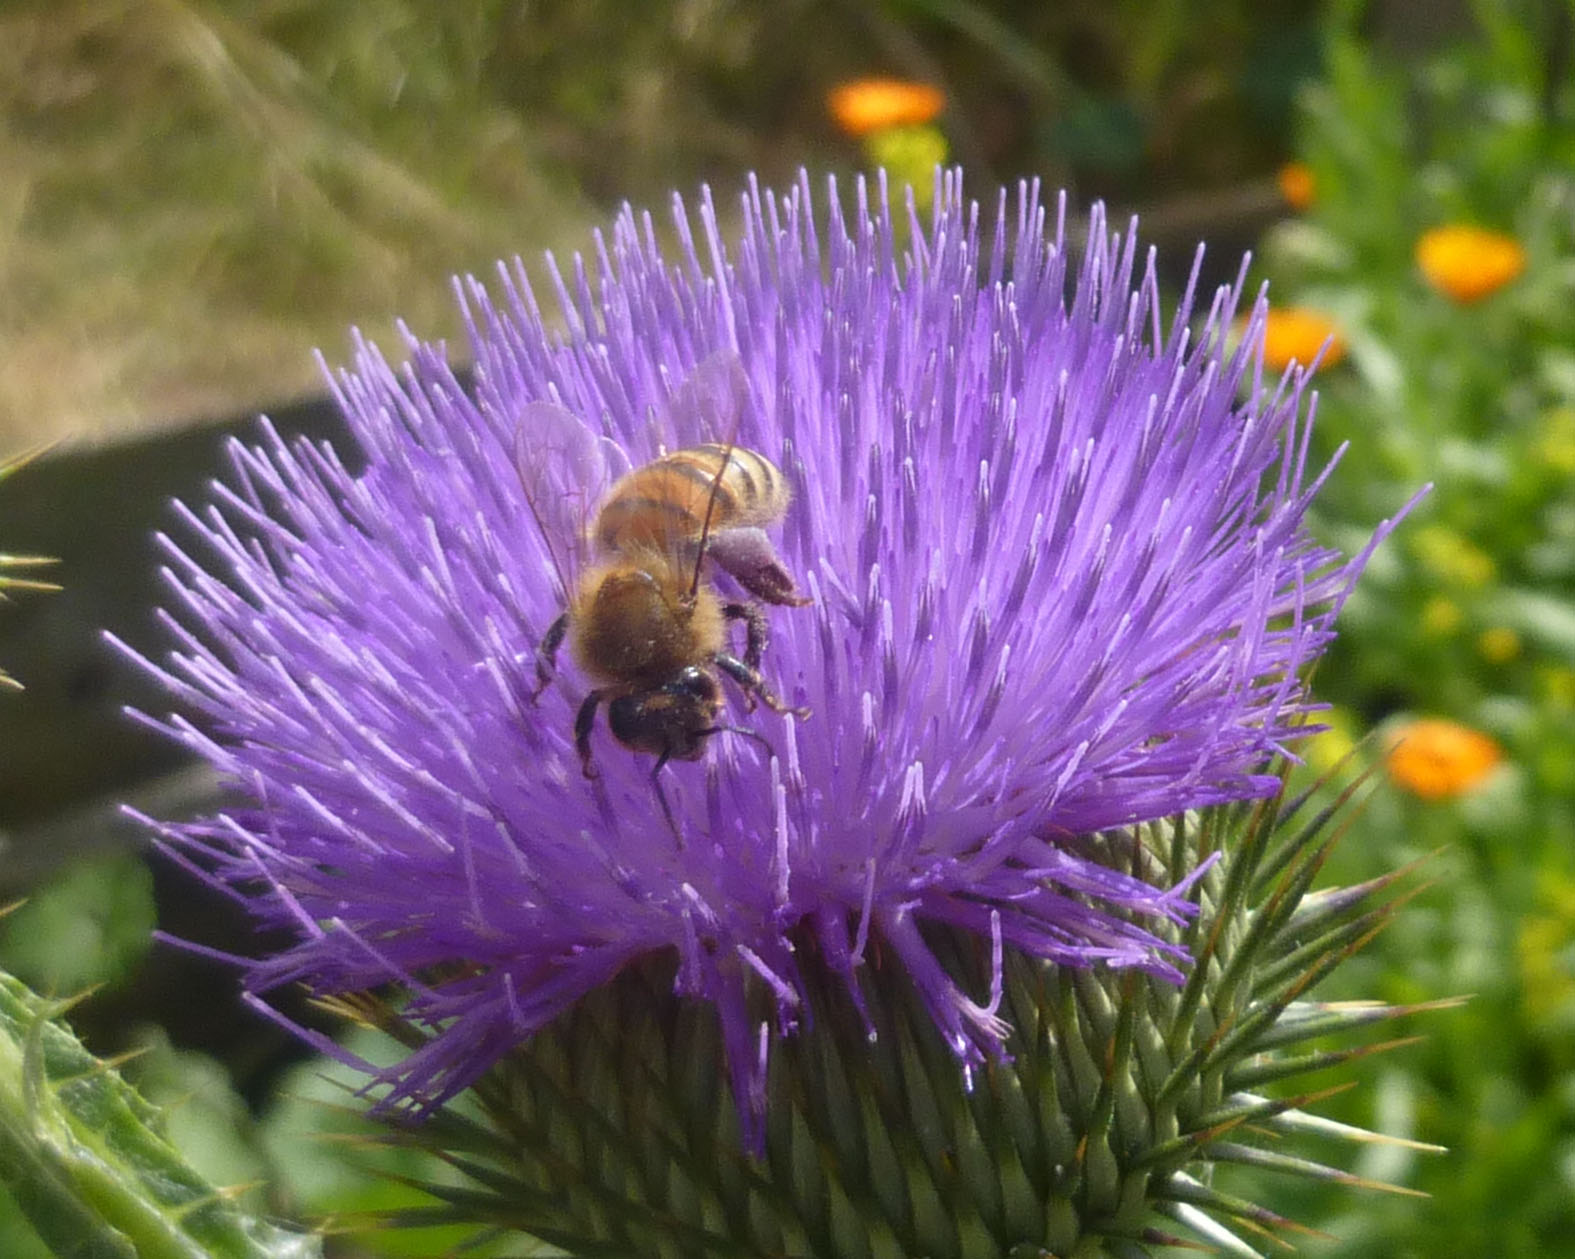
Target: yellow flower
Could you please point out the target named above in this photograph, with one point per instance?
(1556, 687)
(1544, 948)
(1467, 263)
(1297, 184)
(1555, 446)
(1452, 557)
(910, 155)
(1498, 644)
(1293, 333)
(1434, 758)
(865, 105)
(1440, 616)
(1328, 748)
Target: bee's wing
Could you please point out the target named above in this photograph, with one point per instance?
(709, 403)
(710, 407)
(566, 469)
(707, 408)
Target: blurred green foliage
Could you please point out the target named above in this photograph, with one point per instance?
(1468, 612)
(1126, 100)
(90, 926)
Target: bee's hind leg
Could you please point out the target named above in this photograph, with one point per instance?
(754, 686)
(756, 631)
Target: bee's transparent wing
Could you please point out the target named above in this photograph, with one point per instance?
(566, 469)
(711, 406)
(709, 403)
(707, 408)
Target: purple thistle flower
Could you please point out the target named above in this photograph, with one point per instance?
(1060, 579)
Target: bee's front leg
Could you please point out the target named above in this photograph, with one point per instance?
(547, 655)
(584, 721)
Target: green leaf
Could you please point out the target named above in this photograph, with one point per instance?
(81, 1154)
(90, 926)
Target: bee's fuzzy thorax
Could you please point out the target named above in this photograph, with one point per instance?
(633, 620)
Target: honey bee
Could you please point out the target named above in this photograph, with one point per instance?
(642, 622)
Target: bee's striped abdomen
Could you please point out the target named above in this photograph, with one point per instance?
(663, 504)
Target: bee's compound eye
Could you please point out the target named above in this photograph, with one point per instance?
(696, 683)
(625, 719)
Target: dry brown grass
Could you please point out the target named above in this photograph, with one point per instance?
(190, 201)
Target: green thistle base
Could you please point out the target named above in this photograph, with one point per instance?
(614, 1132)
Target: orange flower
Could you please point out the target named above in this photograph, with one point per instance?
(1295, 333)
(1467, 263)
(1297, 184)
(1435, 759)
(866, 105)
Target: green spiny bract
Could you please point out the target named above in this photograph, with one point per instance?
(82, 1156)
(614, 1133)
(9, 564)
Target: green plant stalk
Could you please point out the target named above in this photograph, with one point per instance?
(81, 1153)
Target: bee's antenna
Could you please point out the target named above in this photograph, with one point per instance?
(710, 514)
(661, 797)
(759, 738)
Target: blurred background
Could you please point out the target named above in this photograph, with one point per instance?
(194, 193)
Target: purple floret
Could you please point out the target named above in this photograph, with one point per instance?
(1061, 583)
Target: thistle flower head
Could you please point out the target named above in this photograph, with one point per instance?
(1060, 582)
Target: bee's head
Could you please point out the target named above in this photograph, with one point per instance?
(673, 720)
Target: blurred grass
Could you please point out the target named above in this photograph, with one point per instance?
(195, 197)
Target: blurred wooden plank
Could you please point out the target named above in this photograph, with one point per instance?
(64, 741)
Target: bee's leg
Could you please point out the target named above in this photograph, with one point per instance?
(747, 555)
(547, 655)
(754, 686)
(661, 797)
(756, 631)
(584, 720)
(756, 635)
